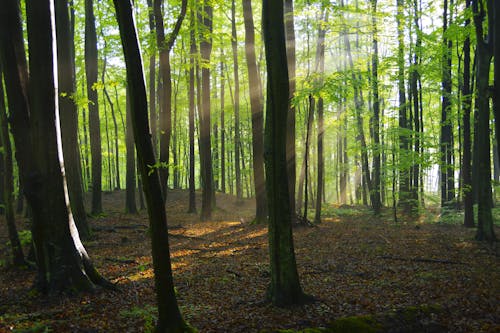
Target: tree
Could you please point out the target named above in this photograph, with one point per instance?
(69, 115)
(164, 47)
(8, 182)
(207, 196)
(130, 204)
(291, 62)
(93, 106)
(237, 143)
(256, 104)
(376, 203)
(484, 54)
(320, 67)
(169, 317)
(191, 96)
(285, 287)
(466, 107)
(62, 261)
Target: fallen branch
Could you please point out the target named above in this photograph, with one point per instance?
(435, 261)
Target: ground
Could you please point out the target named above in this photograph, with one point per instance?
(353, 264)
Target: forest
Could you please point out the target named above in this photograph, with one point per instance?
(249, 166)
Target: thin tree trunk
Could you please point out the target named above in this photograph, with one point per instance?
(130, 203)
(236, 101)
(69, 116)
(222, 127)
(169, 316)
(256, 105)
(93, 106)
(191, 97)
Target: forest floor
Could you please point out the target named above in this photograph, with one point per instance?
(353, 264)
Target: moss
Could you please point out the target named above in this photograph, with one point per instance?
(412, 313)
(355, 324)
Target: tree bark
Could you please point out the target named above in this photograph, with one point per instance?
(169, 318)
(236, 101)
(285, 287)
(207, 199)
(93, 106)
(191, 93)
(69, 115)
(485, 230)
(466, 109)
(291, 132)
(130, 203)
(8, 182)
(256, 105)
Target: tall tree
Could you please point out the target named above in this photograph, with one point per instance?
(207, 197)
(192, 55)
(496, 56)
(446, 137)
(484, 54)
(320, 68)
(256, 105)
(93, 106)
(164, 47)
(153, 116)
(376, 203)
(466, 109)
(63, 263)
(291, 61)
(169, 315)
(8, 182)
(236, 97)
(130, 204)
(69, 115)
(285, 287)
(404, 185)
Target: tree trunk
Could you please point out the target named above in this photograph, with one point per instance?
(207, 202)
(496, 75)
(466, 109)
(191, 96)
(320, 67)
(62, 261)
(93, 106)
(153, 116)
(236, 100)
(404, 186)
(130, 204)
(285, 287)
(376, 203)
(256, 105)
(447, 188)
(169, 318)
(69, 116)
(290, 139)
(222, 128)
(165, 46)
(485, 230)
(8, 182)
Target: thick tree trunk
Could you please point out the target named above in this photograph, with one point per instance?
(256, 104)
(169, 318)
(496, 57)
(285, 287)
(69, 116)
(93, 106)
(485, 230)
(62, 261)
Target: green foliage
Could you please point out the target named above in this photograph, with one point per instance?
(146, 313)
